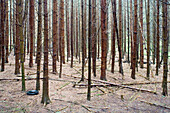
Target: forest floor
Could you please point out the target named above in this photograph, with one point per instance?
(66, 98)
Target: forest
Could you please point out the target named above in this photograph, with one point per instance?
(83, 56)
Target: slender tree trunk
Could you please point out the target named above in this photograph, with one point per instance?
(135, 41)
(14, 24)
(31, 20)
(17, 43)
(72, 34)
(103, 39)
(141, 37)
(68, 29)
(120, 23)
(128, 30)
(157, 51)
(77, 43)
(148, 39)
(61, 26)
(83, 41)
(11, 23)
(113, 40)
(85, 25)
(124, 52)
(45, 95)
(20, 28)
(94, 36)
(131, 29)
(89, 55)
(154, 33)
(2, 35)
(165, 50)
(118, 39)
(55, 35)
(39, 47)
(6, 33)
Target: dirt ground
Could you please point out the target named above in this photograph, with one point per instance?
(66, 98)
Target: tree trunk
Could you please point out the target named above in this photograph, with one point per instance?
(103, 39)
(11, 23)
(6, 32)
(72, 34)
(20, 28)
(39, 47)
(31, 20)
(157, 51)
(45, 95)
(113, 41)
(141, 37)
(94, 36)
(131, 29)
(17, 46)
(154, 33)
(83, 41)
(148, 39)
(135, 40)
(61, 26)
(3, 35)
(128, 30)
(165, 50)
(68, 29)
(120, 24)
(124, 52)
(55, 35)
(89, 50)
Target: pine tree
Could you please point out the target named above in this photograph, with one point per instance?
(45, 95)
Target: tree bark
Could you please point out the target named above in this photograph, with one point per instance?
(6, 32)
(103, 39)
(55, 35)
(31, 20)
(68, 29)
(141, 37)
(94, 36)
(157, 51)
(89, 54)
(72, 34)
(148, 39)
(3, 35)
(135, 40)
(61, 26)
(39, 42)
(45, 95)
(165, 50)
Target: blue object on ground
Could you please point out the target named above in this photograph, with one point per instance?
(33, 92)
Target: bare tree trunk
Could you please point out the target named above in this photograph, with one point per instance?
(103, 39)
(68, 29)
(85, 25)
(20, 28)
(135, 41)
(77, 43)
(72, 34)
(83, 41)
(61, 26)
(165, 50)
(11, 23)
(94, 36)
(157, 51)
(128, 30)
(148, 39)
(55, 34)
(131, 29)
(31, 20)
(141, 37)
(45, 95)
(6, 32)
(113, 41)
(17, 45)
(39, 43)
(124, 52)
(14, 24)
(89, 55)
(154, 33)
(3, 35)
(120, 25)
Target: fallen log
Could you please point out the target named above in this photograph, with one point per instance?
(119, 85)
(143, 83)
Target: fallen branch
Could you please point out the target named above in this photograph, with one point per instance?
(154, 104)
(119, 85)
(143, 83)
